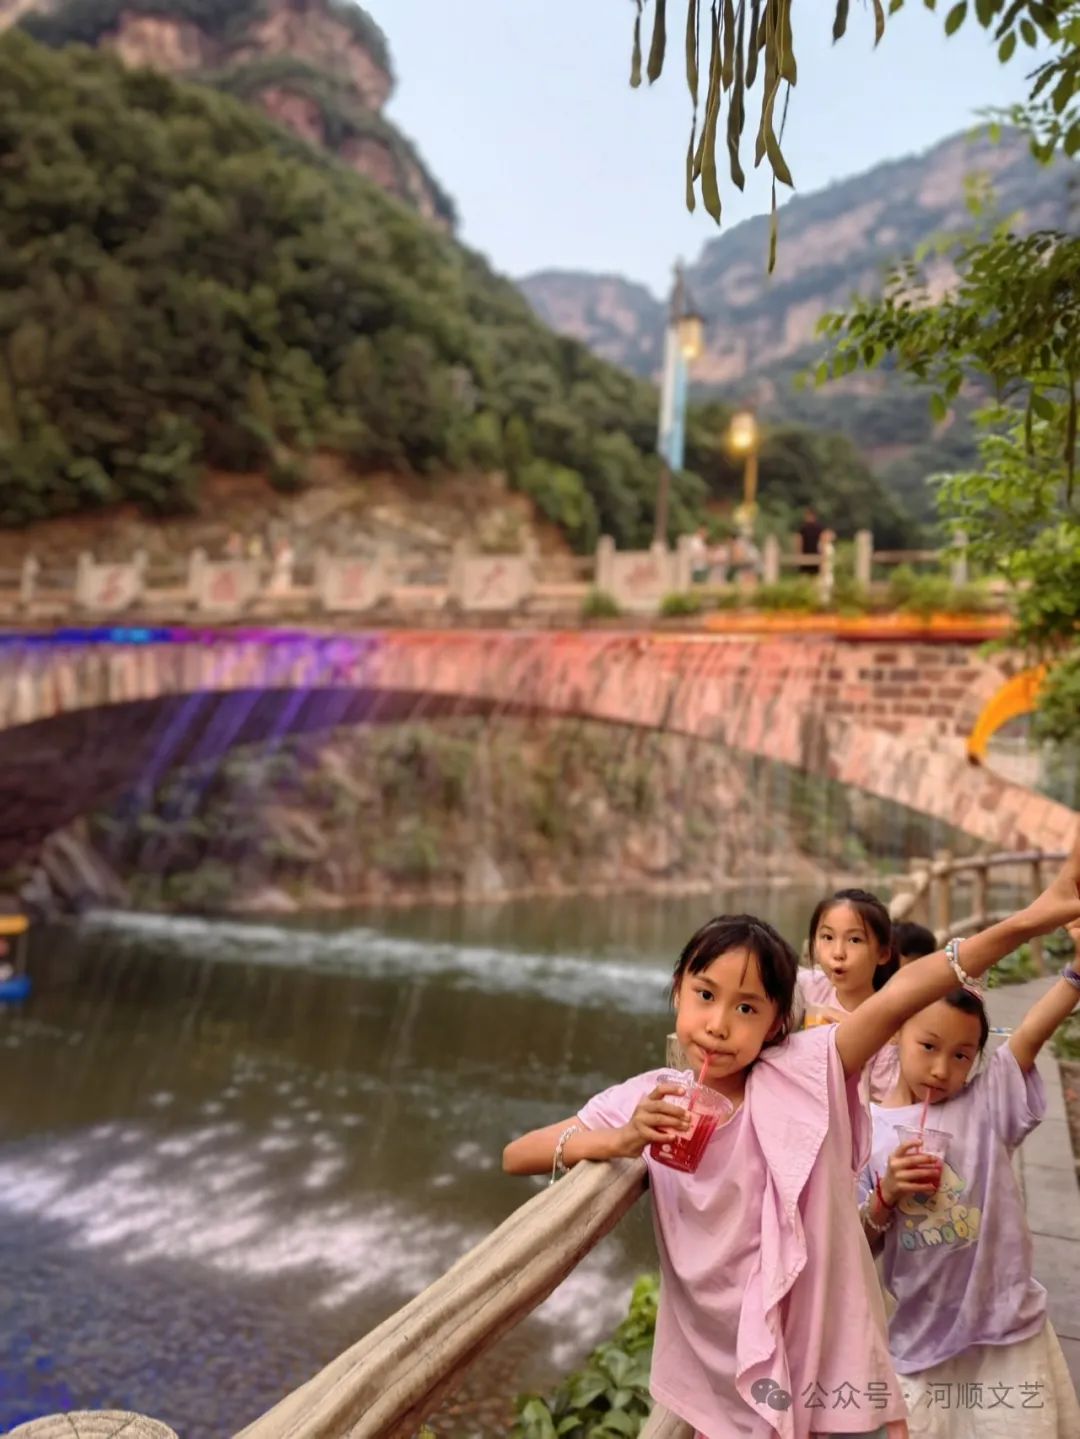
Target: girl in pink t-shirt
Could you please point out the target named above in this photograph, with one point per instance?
(851, 955)
(771, 1321)
(969, 1333)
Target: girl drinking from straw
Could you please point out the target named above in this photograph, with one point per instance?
(771, 1321)
(852, 954)
(970, 1317)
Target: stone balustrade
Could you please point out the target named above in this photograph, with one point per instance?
(638, 581)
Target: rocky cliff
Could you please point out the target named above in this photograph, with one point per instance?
(320, 67)
(760, 330)
(832, 243)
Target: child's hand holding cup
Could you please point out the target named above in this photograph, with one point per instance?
(916, 1164)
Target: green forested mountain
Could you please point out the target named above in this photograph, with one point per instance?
(183, 285)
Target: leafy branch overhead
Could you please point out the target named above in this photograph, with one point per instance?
(729, 43)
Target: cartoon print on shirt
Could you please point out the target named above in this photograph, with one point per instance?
(939, 1218)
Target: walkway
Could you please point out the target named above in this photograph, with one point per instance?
(1047, 1171)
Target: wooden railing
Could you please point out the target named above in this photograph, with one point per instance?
(392, 1379)
(930, 892)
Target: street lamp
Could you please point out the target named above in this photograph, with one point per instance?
(683, 342)
(744, 438)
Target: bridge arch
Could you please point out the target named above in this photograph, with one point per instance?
(880, 718)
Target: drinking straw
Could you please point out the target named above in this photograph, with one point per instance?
(922, 1116)
(704, 1067)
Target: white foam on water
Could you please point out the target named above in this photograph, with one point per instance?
(578, 980)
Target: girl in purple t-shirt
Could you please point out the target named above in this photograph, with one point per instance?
(770, 1320)
(969, 1333)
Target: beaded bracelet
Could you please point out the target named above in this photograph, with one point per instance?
(557, 1165)
(1071, 975)
(952, 954)
(864, 1214)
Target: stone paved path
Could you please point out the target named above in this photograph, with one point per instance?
(1047, 1170)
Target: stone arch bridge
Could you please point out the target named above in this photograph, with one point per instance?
(83, 714)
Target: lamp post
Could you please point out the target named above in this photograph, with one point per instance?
(682, 343)
(744, 438)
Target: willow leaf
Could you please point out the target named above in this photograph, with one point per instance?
(635, 63)
(879, 22)
(752, 49)
(659, 42)
(728, 69)
(737, 105)
(839, 24)
(693, 23)
(774, 230)
(710, 185)
(785, 54)
(691, 172)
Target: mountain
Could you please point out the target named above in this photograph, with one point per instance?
(319, 67)
(192, 293)
(760, 330)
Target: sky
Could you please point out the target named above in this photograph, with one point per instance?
(523, 110)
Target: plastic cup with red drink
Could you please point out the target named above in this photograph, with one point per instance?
(708, 1109)
(932, 1142)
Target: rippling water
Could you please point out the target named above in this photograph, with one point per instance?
(229, 1150)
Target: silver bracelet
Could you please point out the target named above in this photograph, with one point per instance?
(952, 954)
(864, 1215)
(557, 1165)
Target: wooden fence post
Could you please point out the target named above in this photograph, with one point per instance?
(1037, 952)
(982, 896)
(943, 894)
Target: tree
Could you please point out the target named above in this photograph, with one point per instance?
(1011, 325)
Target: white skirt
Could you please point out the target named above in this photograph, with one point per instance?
(996, 1391)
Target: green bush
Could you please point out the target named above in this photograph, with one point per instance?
(609, 1394)
(560, 495)
(599, 605)
(681, 603)
(792, 594)
(1015, 968)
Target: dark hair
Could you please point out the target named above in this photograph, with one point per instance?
(912, 941)
(969, 1003)
(776, 959)
(875, 918)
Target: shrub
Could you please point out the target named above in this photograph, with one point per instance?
(609, 1394)
(680, 603)
(794, 594)
(599, 605)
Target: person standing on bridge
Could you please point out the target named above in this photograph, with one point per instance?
(771, 1321)
(970, 1317)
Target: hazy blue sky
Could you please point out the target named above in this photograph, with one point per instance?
(523, 110)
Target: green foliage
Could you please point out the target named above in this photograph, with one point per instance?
(600, 605)
(787, 594)
(929, 594)
(560, 495)
(1015, 968)
(681, 603)
(342, 116)
(185, 285)
(609, 1394)
(1011, 325)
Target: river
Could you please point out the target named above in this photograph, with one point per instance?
(228, 1150)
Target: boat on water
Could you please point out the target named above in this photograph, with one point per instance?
(14, 979)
